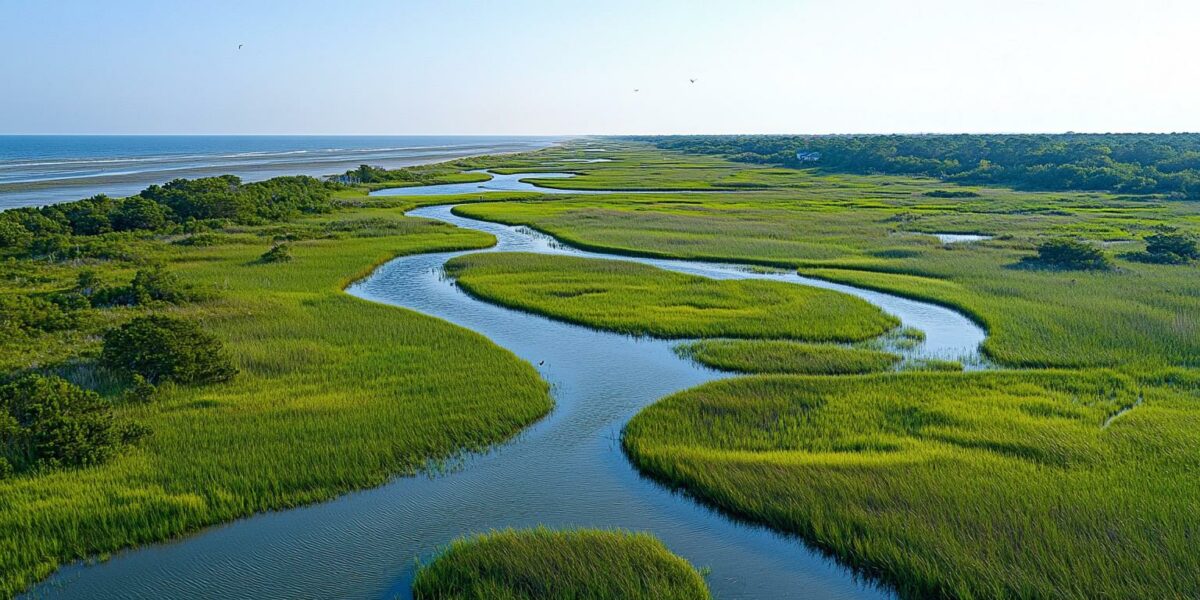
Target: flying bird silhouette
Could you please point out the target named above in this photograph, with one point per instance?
(692, 80)
(635, 90)
(240, 46)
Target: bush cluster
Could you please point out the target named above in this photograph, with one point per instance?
(48, 422)
(277, 253)
(28, 313)
(422, 174)
(149, 286)
(178, 205)
(161, 348)
(1071, 254)
(1168, 245)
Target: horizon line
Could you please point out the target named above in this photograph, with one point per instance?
(575, 135)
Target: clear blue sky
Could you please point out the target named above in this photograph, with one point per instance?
(566, 67)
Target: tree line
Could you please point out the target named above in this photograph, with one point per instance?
(182, 204)
(1167, 164)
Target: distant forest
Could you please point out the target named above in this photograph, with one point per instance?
(1136, 163)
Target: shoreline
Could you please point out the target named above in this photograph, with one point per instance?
(68, 189)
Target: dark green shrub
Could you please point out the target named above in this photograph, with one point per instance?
(204, 198)
(13, 235)
(158, 285)
(149, 286)
(91, 216)
(1123, 163)
(70, 300)
(226, 197)
(22, 314)
(280, 198)
(33, 221)
(277, 253)
(1066, 253)
(162, 348)
(1169, 245)
(51, 244)
(87, 282)
(140, 391)
(139, 213)
(47, 422)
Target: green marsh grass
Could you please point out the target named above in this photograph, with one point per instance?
(996, 484)
(779, 356)
(639, 299)
(1075, 484)
(334, 394)
(867, 231)
(544, 564)
(932, 364)
(981, 485)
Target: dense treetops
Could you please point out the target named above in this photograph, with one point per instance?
(174, 205)
(415, 175)
(1123, 163)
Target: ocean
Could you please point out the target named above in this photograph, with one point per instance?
(39, 170)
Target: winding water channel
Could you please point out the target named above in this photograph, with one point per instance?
(566, 470)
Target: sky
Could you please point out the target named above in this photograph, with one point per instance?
(571, 67)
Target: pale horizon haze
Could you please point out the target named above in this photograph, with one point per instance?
(567, 68)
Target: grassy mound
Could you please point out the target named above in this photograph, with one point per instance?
(643, 300)
(584, 564)
(779, 356)
(984, 485)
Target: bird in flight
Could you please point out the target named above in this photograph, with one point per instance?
(635, 90)
(240, 46)
(692, 80)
